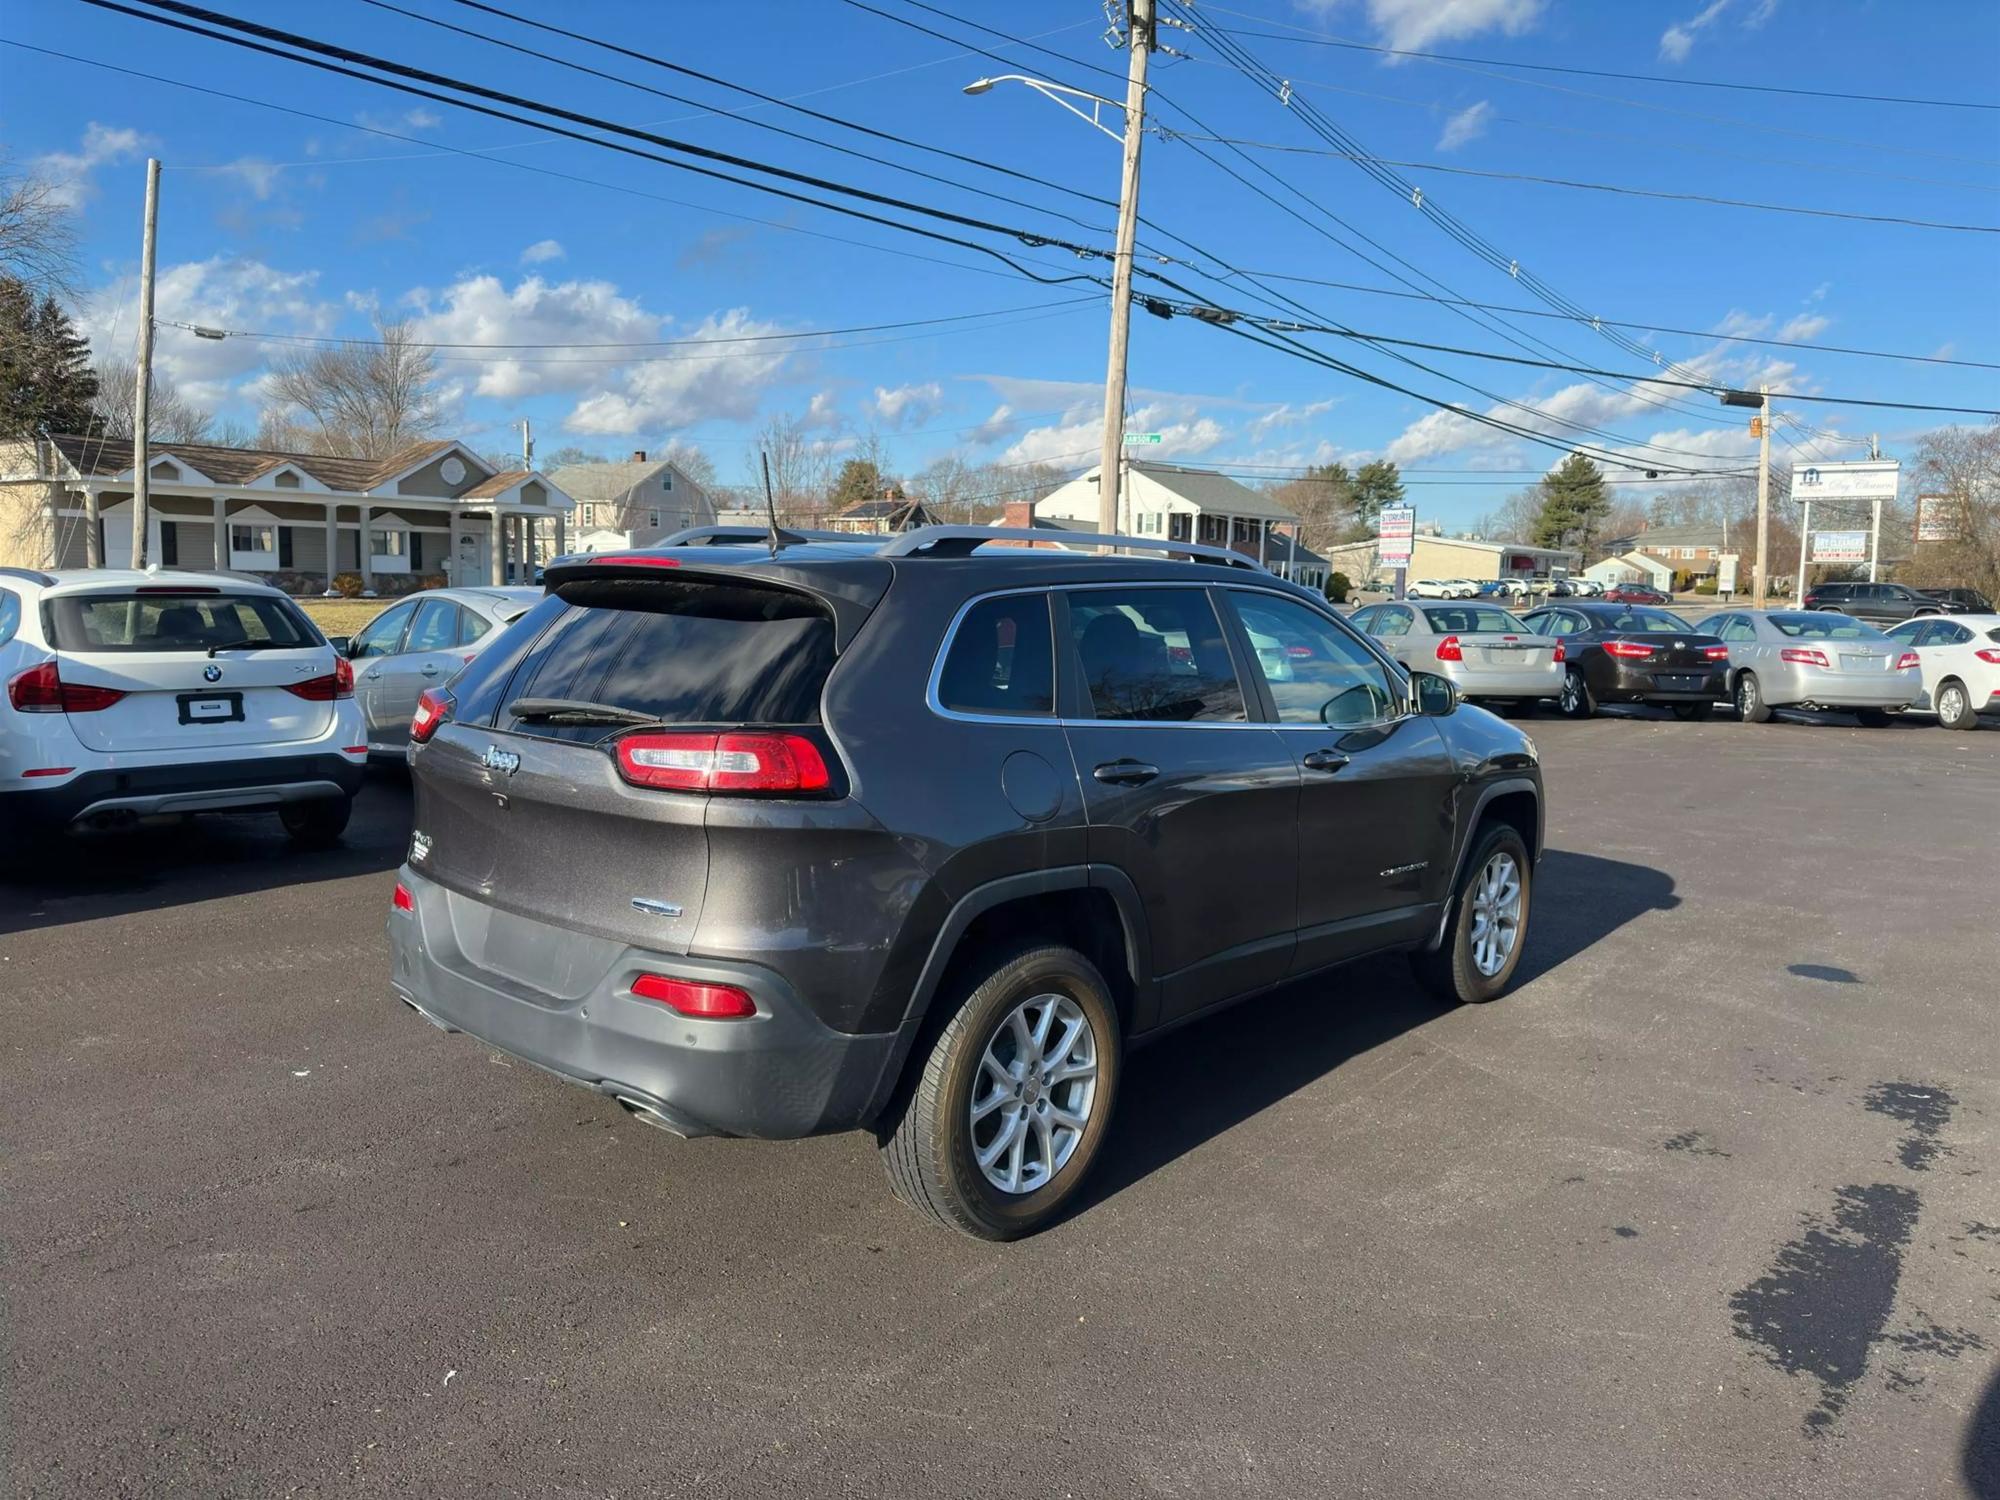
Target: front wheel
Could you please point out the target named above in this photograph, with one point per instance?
(1575, 700)
(318, 823)
(1692, 713)
(1488, 922)
(1750, 705)
(1954, 705)
(1013, 1100)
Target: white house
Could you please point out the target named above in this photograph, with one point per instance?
(1632, 567)
(1183, 505)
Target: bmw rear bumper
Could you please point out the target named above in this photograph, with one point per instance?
(147, 791)
(778, 1074)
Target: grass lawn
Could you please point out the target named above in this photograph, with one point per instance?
(342, 616)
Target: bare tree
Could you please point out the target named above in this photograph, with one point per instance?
(693, 462)
(1961, 464)
(170, 416)
(37, 234)
(1516, 518)
(368, 400)
(801, 469)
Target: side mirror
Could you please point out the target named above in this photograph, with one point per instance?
(1433, 696)
(339, 644)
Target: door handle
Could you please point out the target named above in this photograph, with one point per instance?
(1323, 760)
(1125, 772)
(431, 670)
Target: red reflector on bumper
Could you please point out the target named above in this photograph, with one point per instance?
(403, 900)
(688, 997)
(50, 771)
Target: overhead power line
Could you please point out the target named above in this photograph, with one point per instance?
(1306, 37)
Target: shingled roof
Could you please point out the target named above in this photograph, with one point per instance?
(98, 456)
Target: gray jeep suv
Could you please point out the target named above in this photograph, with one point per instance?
(921, 834)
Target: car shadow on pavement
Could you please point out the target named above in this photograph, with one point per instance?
(81, 877)
(1211, 1075)
(1982, 1444)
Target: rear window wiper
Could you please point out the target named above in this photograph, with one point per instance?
(260, 646)
(578, 711)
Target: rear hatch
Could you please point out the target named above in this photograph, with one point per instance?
(189, 667)
(570, 783)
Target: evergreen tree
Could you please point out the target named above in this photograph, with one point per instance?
(1575, 504)
(860, 479)
(45, 374)
(1378, 484)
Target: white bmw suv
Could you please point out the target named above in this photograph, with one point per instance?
(132, 694)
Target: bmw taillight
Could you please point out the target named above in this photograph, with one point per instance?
(691, 997)
(432, 710)
(1631, 649)
(1911, 659)
(41, 690)
(734, 761)
(1450, 650)
(1804, 656)
(339, 683)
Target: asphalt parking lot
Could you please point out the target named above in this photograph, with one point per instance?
(1707, 1207)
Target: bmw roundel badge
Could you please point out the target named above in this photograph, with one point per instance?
(212, 672)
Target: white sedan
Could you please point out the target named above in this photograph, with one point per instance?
(1959, 656)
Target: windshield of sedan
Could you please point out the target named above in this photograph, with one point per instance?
(1475, 619)
(1826, 627)
(1644, 622)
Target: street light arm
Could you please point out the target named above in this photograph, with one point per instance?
(1060, 94)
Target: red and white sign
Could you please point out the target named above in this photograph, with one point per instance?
(1396, 534)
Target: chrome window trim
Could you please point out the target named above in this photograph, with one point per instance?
(936, 706)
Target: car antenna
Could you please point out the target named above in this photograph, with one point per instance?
(770, 503)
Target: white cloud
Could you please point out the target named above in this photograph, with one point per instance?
(481, 310)
(417, 118)
(1818, 293)
(260, 176)
(1469, 124)
(1764, 11)
(1805, 326)
(1677, 41)
(823, 412)
(101, 146)
(907, 404)
(1740, 324)
(679, 393)
(540, 251)
(1412, 24)
(1076, 441)
(1286, 415)
(994, 427)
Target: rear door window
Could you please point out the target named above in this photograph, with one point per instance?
(1154, 654)
(1393, 621)
(383, 636)
(1001, 660)
(435, 627)
(156, 622)
(684, 651)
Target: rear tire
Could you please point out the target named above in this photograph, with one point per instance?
(1692, 713)
(933, 1150)
(316, 824)
(1750, 705)
(1873, 718)
(1954, 705)
(1465, 969)
(1576, 700)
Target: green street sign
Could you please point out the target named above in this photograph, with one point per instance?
(1135, 439)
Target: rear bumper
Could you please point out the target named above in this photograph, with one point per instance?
(1544, 681)
(779, 1074)
(1829, 691)
(144, 791)
(1643, 684)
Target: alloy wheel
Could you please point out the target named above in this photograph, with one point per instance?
(1496, 914)
(1951, 703)
(1032, 1098)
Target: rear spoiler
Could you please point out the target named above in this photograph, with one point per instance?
(848, 588)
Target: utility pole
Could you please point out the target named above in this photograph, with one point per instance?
(1764, 499)
(141, 480)
(1805, 540)
(1139, 36)
(1875, 524)
(527, 444)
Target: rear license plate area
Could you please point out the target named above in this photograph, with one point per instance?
(1678, 682)
(210, 708)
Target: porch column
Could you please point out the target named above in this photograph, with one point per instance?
(562, 544)
(93, 529)
(496, 550)
(332, 544)
(1263, 538)
(219, 529)
(367, 553)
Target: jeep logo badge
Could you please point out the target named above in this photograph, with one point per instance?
(212, 672)
(504, 761)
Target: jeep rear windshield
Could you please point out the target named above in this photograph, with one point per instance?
(158, 620)
(683, 651)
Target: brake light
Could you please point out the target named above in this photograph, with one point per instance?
(636, 560)
(432, 710)
(1911, 659)
(1804, 656)
(689, 997)
(1627, 648)
(1298, 652)
(1562, 652)
(1716, 653)
(1987, 654)
(41, 690)
(1450, 650)
(730, 762)
(403, 900)
(339, 683)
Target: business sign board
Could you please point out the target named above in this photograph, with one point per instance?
(1940, 518)
(1725, 572)
(1855, 479)
(1397, 534)
(1839, 547)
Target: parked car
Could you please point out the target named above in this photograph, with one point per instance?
(680, 837)
(1502, 588)
(1879, 602)
(1559, 588)
(421, 641)
(1620, 653)
(1583, 588)
(135, 694)
(1488, 653)
(1959, 661)
(1431, 588)
(1961, 601)
(1814, 660)
(1635, 593)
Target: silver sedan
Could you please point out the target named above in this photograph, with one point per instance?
(1793, 659)
(1487, 651)
(423, 641)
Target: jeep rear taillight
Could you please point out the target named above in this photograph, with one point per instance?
(735, 761)
(432, 710)
(41, 690)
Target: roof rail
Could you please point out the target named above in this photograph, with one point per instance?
(710, 536)
(962, 541)
(29, 575)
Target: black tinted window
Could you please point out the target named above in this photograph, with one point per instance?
(682, 652)
(1155, 654)
(1001, 661)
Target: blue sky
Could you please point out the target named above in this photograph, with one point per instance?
(283, 225)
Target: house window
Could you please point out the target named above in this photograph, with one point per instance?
(667, 483)
(387, 543)
(286, 480)
(653, 519)
(253, 539)
(589, 514)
